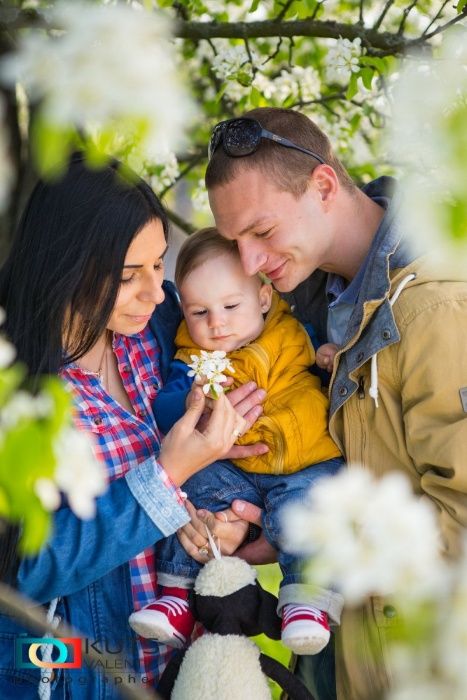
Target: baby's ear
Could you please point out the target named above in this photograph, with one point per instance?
(265, 297)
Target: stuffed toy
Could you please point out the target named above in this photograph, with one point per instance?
(223, 664)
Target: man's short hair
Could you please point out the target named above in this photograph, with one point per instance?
(288, 168)
(205, 244)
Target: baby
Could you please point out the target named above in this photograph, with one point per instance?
(226, 310)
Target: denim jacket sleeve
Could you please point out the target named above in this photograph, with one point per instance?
(169, 404)
(136, 511)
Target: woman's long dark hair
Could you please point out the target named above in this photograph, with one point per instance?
(64, 268)
(63, 272)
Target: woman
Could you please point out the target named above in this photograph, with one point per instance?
(84, 295)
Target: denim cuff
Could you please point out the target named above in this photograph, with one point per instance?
(146, 483)
(329, 602)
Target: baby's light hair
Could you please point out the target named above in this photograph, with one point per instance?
(205, 244)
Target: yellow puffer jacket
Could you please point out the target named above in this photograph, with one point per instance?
(294, 422)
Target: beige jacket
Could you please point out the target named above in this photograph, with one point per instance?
(419, 428)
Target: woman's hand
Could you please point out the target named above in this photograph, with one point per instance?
(186, 448)
(230, 527)
(247, 401)
(227, 529)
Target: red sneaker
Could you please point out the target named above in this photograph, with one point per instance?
(305, 629)
(168, 619)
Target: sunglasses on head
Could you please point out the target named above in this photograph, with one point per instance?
(242, 136)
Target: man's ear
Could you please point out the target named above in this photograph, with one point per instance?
(265, 297)
(326, 182)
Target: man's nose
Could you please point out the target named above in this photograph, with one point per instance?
(252, 257)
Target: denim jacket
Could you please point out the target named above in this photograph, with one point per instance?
(386, 253)
(85, 565)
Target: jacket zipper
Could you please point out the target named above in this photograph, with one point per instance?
(361, 387)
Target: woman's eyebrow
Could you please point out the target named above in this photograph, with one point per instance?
(161, 256)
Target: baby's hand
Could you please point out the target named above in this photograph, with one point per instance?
(325, 356)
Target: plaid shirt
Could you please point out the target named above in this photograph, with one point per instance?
(124, 440)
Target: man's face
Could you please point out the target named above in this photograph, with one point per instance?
(284, 237)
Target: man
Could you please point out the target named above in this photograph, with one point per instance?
(276, 187)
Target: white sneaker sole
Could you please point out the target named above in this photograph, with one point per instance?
(304, 637)
(151, 624)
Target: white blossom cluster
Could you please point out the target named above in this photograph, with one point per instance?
(209, 368)
(429, 141)
(78, 474)
(230, 61)
(24, 406)
(166, 172)
(297, 83)
(342, 60)
(110, 66)
(199, 198)
(366, 536)
(234, 67)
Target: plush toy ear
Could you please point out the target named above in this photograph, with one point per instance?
(249, 611)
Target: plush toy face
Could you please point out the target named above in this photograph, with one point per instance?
(228, 600)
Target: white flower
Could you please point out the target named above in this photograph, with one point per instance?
(78, 473)
(209, 368)
(24, 406)
(166, 171)
(7, 353)
(367, 537)
(111, 66)
(342, 60)
(297, 83)
(47, 492)
(199, 198)
(429, 140)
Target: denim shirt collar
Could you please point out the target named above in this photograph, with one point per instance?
(386, 253)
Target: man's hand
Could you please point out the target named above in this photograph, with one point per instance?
(259, 551)
(227, 529)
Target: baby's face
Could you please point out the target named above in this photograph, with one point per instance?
(223, 307)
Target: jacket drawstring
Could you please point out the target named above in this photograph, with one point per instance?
(44, 689)
(374, 362)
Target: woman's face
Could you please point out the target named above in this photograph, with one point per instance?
(141, 286)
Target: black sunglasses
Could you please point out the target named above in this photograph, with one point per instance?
(242, 136)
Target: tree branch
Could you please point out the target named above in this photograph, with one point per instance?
(387, 6)
(405, 14)
(437, 16)
(385, 41)
(425, 37)
(178, 221)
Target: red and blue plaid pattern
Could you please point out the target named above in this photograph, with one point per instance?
(124, 440)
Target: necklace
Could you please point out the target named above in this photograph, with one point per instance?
(103, 371)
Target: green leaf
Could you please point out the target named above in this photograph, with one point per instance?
(254, 6)
(461, 5)
(353, 86)
(51, 146)
(380, 64)
(367, 76)
(256, 98)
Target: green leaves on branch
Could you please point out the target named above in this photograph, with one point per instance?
(27, 437)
